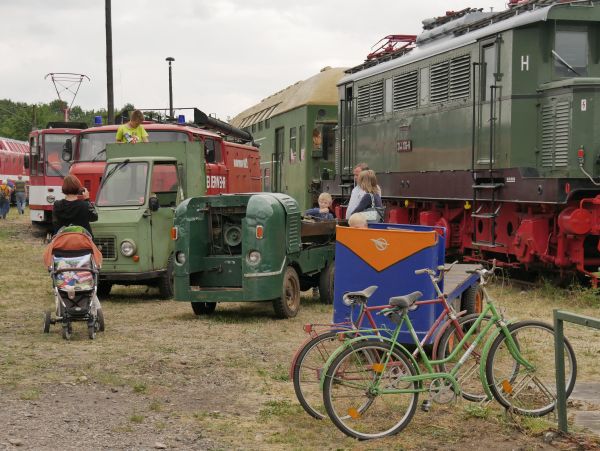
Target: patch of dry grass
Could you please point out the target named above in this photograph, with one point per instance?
(225, 375)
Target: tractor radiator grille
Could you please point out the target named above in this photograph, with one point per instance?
(556, 119)
(107, 247)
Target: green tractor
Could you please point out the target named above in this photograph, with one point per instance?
(250, 247)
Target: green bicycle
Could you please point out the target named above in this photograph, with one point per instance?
(371, 384)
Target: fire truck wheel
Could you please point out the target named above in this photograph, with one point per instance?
(288, 304)
(103, 289)
(165, 283)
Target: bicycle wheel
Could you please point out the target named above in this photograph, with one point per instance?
(468, 374)
(352, 396)
(528, 392)
(307, 372)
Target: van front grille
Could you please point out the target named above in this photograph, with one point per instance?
(107, 247)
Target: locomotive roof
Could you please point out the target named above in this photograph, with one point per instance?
(429, 49)
(316, 90)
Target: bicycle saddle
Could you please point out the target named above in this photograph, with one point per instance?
(356, 296)
(406, 300)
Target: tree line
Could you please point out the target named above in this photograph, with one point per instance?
(17, 119)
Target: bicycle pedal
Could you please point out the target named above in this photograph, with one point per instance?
(426, 405)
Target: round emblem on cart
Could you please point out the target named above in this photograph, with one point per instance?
(381, 244)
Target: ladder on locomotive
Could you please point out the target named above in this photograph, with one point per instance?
(485, 181)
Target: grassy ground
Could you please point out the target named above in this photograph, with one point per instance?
(161, 375)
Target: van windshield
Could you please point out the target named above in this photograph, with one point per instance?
(125, 185)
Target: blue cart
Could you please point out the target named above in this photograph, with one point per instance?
(387, 255)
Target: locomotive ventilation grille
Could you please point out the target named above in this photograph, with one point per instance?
(106, 246)
(370, 99)
(293, 213)
(405, 91)
(556, 120)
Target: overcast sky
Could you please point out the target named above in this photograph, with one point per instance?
(229, 54)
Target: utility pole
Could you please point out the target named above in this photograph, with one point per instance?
(170, 59)
(109, 64)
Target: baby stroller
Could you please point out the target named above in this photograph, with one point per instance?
(73, 261)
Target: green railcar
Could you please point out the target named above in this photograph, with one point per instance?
(295, 129)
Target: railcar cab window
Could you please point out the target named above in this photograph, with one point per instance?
(92, 146)
(570, 52)
(212, 150)
(55, 165)
(36, 168)
(125, 184)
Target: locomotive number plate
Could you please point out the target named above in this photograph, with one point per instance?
(404, 145)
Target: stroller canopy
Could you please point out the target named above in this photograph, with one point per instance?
(72, 241)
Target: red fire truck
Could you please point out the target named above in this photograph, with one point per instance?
(47, 168)
(230, 166)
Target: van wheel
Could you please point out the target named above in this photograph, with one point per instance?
(165, 283)
(288, 304)
(103, 289)
(326, 283)
(203, 308)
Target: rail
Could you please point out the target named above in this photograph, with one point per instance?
(559, 349)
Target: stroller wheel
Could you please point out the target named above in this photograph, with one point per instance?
(47, 321)
(100, 320)
(67, 331)
(92, 331)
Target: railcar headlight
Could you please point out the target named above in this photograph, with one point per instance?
(128, 248)
(253, 258)
(180, 258)
(50, 198)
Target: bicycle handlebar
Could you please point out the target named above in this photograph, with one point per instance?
(440, 268)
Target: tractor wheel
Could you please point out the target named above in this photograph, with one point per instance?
(288, 304)
(326, 283)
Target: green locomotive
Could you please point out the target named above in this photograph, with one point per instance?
(487, 126)
(295, 130)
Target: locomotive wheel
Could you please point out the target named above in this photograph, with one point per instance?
(288, 304)
(165, 283)
(326, 283)
(203, 308)
(472, 300)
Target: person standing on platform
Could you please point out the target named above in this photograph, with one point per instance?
(20, 194)
(133, 131)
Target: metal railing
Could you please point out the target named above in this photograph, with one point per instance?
(559, 354)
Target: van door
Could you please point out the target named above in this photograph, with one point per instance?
(164, 185)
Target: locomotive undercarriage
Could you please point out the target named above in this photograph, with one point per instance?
(540, 223)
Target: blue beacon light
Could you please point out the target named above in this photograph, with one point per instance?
(97, 120)
(181, 119)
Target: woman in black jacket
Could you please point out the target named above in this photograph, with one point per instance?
(75, 208)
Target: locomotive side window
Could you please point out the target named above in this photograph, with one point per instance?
(570, 52)
(489, 70)
(293, 145)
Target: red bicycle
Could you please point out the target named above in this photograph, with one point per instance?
(449, 327)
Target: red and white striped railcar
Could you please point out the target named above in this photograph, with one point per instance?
(47, 168)
(12, 159)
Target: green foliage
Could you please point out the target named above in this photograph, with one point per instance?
(17, 119)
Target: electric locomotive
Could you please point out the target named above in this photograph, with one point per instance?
(486, 125)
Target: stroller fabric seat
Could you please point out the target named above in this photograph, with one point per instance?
(73, 280)
(72, 241)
